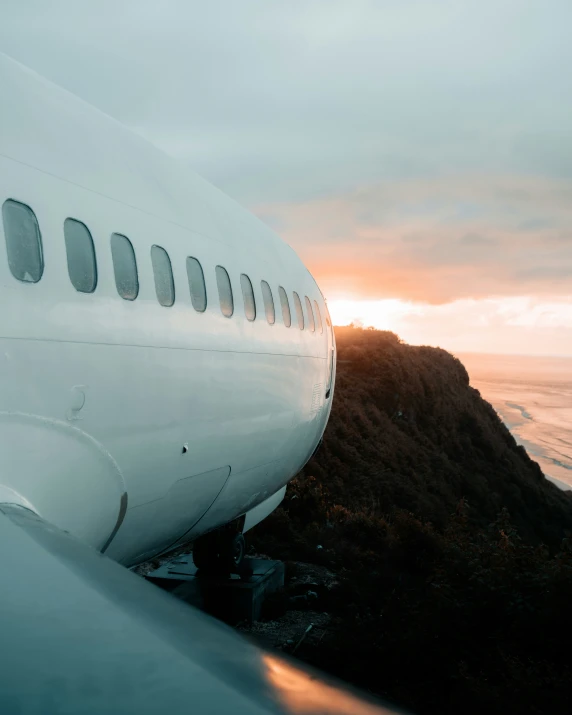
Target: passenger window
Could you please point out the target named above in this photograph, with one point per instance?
(299, 311)
(80, 253)
(268, 302)
(310, 314)
(124, 266)
(23, 241)
(319, 317)
(163, 274)
(248, 296)
(286, 316)
(197, 286)
(224, 291)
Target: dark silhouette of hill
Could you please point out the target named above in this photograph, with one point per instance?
(450, 547)
(408, 431)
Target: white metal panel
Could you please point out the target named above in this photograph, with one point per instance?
(135, 379)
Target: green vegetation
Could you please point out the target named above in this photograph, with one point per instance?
(451, 550)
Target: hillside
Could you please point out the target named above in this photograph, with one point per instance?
(408, 431)
(450, 567)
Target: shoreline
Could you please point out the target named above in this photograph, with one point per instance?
(534, 452)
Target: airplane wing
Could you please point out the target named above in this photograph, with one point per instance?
(81, 634)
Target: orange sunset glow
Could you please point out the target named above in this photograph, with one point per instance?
(468, 263)
(520, 325)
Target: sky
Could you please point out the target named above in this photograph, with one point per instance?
(417, 154)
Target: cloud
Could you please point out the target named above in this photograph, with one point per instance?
(550, 273)
(517, 325)
(298, 100)
(436, 240)
(408, 149)
(475, 239)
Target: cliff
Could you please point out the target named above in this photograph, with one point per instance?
(408, 431)
(447, 552)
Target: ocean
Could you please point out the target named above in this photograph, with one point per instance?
(533, 396)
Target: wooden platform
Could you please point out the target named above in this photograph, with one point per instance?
(231, 598)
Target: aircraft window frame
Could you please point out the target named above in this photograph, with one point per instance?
(286, 313)
(80, 243)
(268, 299)
(23, 241)
(248, 298)
(311, 320)
(163, 276)
(299, 310)
(319, 316)
(197, 285)
(119, 240)
(223, 284)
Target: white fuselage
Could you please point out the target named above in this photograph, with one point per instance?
(132, 424)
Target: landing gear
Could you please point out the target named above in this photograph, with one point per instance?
(220, 551)
(237, 550)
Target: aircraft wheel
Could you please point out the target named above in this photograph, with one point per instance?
(234, 551)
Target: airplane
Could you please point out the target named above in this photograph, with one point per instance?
(168, 365)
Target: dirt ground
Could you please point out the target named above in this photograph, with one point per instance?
(296, 614)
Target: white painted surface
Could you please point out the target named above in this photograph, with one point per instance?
(98, 395)
(260, 512)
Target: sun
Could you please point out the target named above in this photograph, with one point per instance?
(381, 314)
